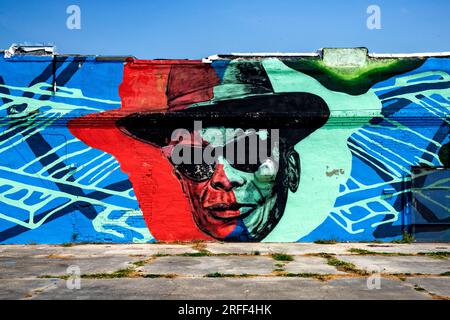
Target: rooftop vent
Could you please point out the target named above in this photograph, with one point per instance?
(17, 49)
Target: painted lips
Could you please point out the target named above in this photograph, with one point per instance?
(229, 211)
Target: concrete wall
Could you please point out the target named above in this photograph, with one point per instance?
(85, 147)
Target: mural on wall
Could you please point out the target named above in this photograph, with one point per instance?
(87, 148)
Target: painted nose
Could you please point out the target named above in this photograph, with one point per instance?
(220, 181)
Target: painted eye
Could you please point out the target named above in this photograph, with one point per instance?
(196, 172)
(249, 152)
(250, 168)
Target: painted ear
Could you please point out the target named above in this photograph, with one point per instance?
(293, 170)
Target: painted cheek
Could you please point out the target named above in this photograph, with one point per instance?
(251, 191)
(204, 194)
(195, 188)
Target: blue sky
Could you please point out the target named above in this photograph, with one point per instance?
(192, 29)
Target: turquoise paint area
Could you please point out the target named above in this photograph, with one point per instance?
(324, 150)
(373, 205)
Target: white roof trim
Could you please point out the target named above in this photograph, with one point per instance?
(277, 54)
(409, 55)
(261, 54)
(318, 54)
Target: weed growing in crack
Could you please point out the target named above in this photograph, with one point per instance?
(282, 257)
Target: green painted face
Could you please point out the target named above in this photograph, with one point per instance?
(235, 198)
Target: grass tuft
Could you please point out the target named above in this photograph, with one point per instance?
(122, 273)
(47, 276)
(139, 263)
(154, 275)
(228, 275)
(361, 251)
(67, 244)
(407, 238)
(436, 254)
(195, 254)
(282, 257)
(332, 241)
(374, 253)
(417, 288)
(321, 277)
(156, 255)
(341, 265)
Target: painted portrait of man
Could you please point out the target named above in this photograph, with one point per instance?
(240, 195)
(236, 197)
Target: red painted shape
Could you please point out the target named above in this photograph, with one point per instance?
(166, 208)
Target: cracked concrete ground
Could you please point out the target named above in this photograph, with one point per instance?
(227, 271)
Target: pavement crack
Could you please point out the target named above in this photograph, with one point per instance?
(33, 293)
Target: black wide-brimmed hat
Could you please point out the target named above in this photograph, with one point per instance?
(295, 114)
